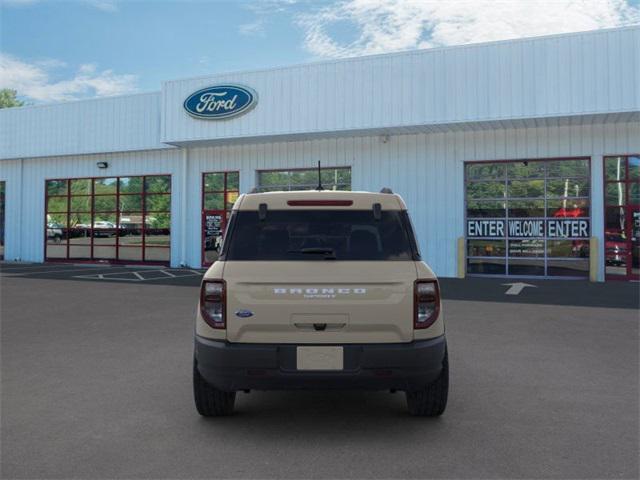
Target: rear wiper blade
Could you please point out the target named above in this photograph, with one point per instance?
(328, 252)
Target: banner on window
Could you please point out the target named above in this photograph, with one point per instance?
(528, 228)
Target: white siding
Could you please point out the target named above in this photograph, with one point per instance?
(426, 169)
(25, 207)
(548, 77)
(115, 124)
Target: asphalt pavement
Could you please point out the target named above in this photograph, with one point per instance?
(96, 383)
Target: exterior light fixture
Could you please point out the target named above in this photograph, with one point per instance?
(102, 165)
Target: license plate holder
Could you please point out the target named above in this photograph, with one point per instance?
(320, 358)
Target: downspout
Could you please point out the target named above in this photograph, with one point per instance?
(184, 209)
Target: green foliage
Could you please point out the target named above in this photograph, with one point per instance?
(8, 98)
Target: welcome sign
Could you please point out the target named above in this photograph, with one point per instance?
(528, 228)
(220, 102)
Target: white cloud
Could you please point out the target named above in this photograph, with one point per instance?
(33, 80)
(252, 28)
(389, 25)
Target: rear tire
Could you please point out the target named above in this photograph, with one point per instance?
(432, 400)
(211, 402)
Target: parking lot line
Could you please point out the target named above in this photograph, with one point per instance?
(30, 271)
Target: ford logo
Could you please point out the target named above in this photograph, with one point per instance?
(220, 102)
(244, 313)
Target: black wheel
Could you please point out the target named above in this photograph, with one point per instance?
(211, 402)
(432, 401)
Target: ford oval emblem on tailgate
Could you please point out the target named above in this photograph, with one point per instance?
(244, 313)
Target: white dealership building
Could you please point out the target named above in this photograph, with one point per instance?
(517, 158)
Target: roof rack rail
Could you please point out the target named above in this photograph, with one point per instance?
(253, 190)
(386, 190)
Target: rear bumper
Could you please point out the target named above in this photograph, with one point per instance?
(399, 366)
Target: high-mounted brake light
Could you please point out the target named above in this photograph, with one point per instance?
(426, 303)
(212, 303)
(319, 203)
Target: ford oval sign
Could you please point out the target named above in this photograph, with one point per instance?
(220, 102)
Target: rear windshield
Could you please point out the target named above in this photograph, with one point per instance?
(319, 235)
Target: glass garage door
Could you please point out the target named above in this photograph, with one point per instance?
(120, 219)
(622, 217)
(528, 217)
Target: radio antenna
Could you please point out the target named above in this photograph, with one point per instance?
(320, 187)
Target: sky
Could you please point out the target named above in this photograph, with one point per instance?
(55, 50)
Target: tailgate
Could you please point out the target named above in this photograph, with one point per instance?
(320, 302)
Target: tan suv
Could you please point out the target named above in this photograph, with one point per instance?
(320, 289)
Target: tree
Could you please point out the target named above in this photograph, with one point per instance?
(8, 98)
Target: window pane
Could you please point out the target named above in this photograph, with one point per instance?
(568, 268)
(57, 220)
(486, 248)
(105, 185)
(526, 267)
(214, 182)
(81, 204)
(57, 204)
(159, 184)
(130, 185)
(568, 188)
(156, 254)
(614, 168)
(528, 169)
(104, 252)
(103, 236)
(104, 203)
(526, 188)
(267, 179)
(634, 193)
(104, 220)
(157, 237)
(158, 220)
(568, 248)
(485, 171)
(130, 203)
(231, 199)
(130, 237)
(80, 220)
(56, 235)
(485, 190)
(568, 168)
(614, 219)
(526, 208)
(133, 254)
(56, 250)
(634, 168)
(80, 252)
(214, 201)
(615, 194)
(56, 187)
(526, 248)
(81, 186)
(569, 208)
(233, 181)
(493, 266)
(344, 176)
(158, 203)
(80, 235)
(485, 208)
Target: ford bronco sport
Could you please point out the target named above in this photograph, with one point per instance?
(315, 290)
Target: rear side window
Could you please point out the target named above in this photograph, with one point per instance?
(320, 235)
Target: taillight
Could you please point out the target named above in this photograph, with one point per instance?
(212, 303)
(426, 303)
